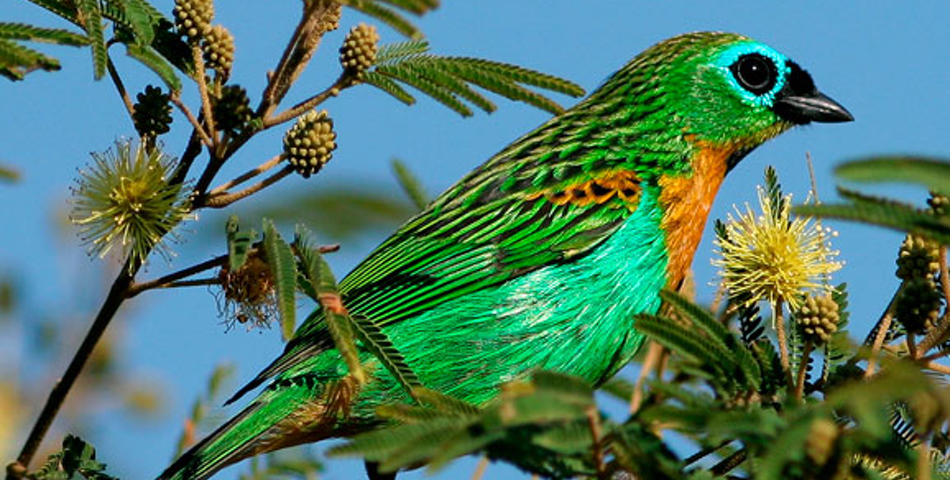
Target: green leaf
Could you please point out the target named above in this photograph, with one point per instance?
(91, 18)
(884, 212)
(389, 86)
(16, 60)
(410, 184)
(157, 63)
(932, 173)
(21, 31)
(374, 340)
(385, 15)
(280, 259)
(400, 50)
(321, 283)
(448, 80)
(134, 15)
(443, 403)
(63, 9)
(239, 243)
(9, 174)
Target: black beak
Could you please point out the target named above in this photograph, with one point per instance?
(815, 107)
(800, 102)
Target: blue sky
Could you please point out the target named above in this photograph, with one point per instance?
(885, 61)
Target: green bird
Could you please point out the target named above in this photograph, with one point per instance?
(541, 257)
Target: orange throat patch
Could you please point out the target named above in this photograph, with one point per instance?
(686, 200)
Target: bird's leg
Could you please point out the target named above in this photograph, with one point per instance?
(372, 471)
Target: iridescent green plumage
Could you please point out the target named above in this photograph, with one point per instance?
(541, 257)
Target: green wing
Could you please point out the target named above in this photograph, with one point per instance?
(502, 221)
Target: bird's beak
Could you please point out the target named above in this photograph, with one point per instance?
(813, 106)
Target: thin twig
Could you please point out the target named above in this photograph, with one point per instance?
(342, 82)
(937, 367)
(882, 327)
(802, 368)
(123, 93)
(303, 44)
(923, 461)
(225, 199)
(705, 452)
(199, 60)
(596, 432)
(652, 360)
(274, 161)
(58, 394)
(935, 356)
(729, 463)
(176, 100)
(778, 316)
(161, 282)
(480, 468)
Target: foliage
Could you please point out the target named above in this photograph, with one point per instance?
(76, 459)
(448, 80)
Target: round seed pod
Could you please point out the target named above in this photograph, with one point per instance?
(219, 50)
(918, 305)
(309, 144)
(193, 18)
(919, 257)
(818, 317)
(232, 109)
(152, 114)
(358, 52)
(939, 203)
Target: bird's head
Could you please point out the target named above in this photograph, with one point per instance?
(718, 90)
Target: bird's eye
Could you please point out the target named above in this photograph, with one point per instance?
(755, 73)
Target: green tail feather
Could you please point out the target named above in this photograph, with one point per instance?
(239, 438)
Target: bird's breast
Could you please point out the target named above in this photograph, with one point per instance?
(686, 201)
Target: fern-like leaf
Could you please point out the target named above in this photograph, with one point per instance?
(394, 52)
(91, 17)
(386, 15)
(884, 212)
(58, 36)
(448, 80)
(16, 60)
(239, 243)
(373, 339)
(932, 173)
(280, 259)
(157, 63)
(387, 85)
(410, 184)
(66, 10)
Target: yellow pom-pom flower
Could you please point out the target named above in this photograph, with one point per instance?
(124, 201)
(771, 256)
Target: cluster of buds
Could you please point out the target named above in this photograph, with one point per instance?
(309, 144)
(818, 317)
(193, 18)
(152, 114)
(219, 51)
(919, 257)
(231, 109)
(918, 305)
(358, 52)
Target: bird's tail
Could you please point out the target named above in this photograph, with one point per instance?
(269, 423)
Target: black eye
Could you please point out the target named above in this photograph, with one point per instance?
(755, 73)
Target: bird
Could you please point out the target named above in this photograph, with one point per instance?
(540, 258)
